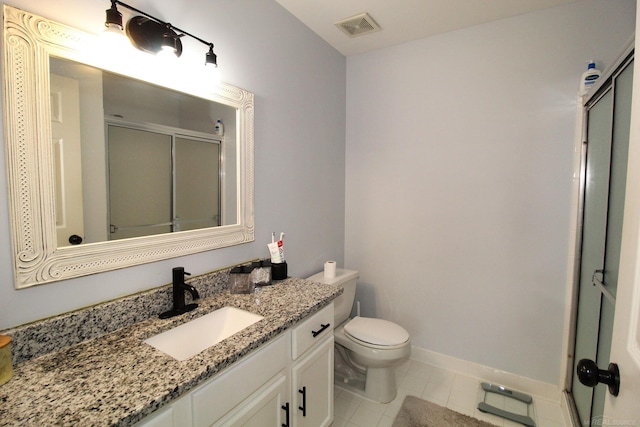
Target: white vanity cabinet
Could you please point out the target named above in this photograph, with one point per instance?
(312, 370)
(232, 394)
(288, 382)
(305, 398)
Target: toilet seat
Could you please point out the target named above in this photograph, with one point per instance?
(377, 333)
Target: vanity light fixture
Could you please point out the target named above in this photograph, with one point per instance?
(151, 34)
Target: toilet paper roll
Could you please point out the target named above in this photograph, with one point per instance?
(330, 269)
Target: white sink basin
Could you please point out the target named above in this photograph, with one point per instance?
(189, 339)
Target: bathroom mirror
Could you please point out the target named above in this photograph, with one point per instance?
(136, 159)
(31, 45)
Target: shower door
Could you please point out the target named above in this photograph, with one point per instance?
(608, 123)
(161, 182)
(140, 182)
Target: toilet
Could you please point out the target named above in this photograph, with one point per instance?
(367, 350)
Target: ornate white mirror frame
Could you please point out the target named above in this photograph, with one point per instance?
(29, 41)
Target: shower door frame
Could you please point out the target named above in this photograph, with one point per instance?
(626, 56)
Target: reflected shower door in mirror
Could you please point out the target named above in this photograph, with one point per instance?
(160, 183)
(134, 159)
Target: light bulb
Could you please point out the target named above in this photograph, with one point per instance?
(167, 54)
(113, 37)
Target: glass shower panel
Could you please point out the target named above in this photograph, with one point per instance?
(139, 182)
(617, 185)
(593, 242)
(608, 127)
(197, 183)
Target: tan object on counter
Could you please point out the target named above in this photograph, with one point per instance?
(6, 368)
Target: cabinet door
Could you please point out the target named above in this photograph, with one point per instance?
(268, 407)
(312, 393)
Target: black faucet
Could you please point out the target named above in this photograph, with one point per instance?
(179, 307)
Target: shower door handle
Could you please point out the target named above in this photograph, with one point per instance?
(594, 277)
(590, 375)
(599, 283)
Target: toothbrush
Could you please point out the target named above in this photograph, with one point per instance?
(281, 247)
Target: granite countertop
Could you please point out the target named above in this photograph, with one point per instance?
(117, 379)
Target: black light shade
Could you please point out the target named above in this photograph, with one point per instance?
(151, 36)
(169, 42)
(114, 17)
(211, 58)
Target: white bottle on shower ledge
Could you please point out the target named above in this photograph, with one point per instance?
(219, 128)
(589, 78)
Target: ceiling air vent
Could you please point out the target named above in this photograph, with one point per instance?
(358, 25)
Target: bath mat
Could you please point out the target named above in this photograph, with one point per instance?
(416, 412)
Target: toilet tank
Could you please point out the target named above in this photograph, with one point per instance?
(345, 279)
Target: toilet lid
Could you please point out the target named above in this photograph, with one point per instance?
(376, 331)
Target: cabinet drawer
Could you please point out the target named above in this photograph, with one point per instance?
(216, 398)
(311, 331)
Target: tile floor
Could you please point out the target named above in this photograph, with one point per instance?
(446, 388)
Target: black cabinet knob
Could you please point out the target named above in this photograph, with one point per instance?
(590, 375)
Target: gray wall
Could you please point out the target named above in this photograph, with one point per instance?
(299, 84)
(459, 180)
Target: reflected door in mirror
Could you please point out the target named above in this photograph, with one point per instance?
(65, 132)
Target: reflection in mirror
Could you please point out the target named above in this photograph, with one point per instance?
(149, 151)
(58, 115)
(160, 182)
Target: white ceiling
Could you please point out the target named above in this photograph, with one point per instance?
(403, 20)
